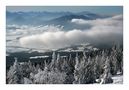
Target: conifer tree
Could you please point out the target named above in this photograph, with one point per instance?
(14, 74)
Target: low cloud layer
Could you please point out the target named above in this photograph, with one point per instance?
(102, 31)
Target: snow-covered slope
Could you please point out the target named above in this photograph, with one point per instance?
(118, 79)
(79, 48)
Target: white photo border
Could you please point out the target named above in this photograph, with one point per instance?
(3, 5)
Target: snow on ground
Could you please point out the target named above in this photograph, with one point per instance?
(118, 79)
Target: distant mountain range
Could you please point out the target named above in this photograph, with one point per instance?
(47, 18)
(31, 17)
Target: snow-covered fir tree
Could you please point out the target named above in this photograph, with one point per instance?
(106, 76)
(14, 74)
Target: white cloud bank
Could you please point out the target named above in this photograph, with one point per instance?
(103, 31)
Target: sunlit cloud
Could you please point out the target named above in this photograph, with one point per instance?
(103, 31)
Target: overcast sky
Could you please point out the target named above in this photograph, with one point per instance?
(95, 9)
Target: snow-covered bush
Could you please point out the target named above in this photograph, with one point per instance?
(49, 77)
(27, 81)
